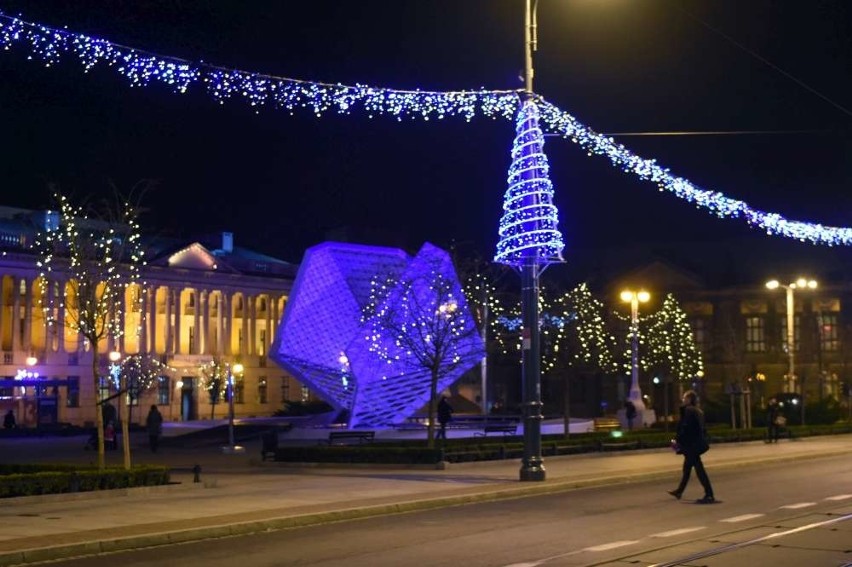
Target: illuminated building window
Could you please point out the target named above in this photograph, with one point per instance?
(262, 395)
(73, 399)
(828, 337)
(164, 390)
(755, 334)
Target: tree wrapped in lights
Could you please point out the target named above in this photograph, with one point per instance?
(139, 373)
(481, 292)
(418, 324)
(575, 336)
(214, 378)
(671, 349)
(96, 248)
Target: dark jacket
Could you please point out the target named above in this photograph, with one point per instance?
(445, 411)
(691, 433)
(154, 422)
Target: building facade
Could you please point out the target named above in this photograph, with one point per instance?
(197, 302)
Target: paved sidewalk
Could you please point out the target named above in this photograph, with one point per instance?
(238, 494)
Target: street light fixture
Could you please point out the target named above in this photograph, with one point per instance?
(635, 395)
(232, 447)
(801, 283)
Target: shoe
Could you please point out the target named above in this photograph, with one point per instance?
(706, 500)
(676, 493)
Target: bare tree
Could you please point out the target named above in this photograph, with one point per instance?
(97, 247)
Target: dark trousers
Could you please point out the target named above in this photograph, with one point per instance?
(690, 461)
(772, 432)
(153, 442)
(442, 432)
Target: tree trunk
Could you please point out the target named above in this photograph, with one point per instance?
(566, 402)
(433, 409)
(125, 427)
(99, 416)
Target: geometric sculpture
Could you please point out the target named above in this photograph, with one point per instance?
(528, 233)
(327, 343)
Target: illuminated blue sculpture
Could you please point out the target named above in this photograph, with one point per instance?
(334, 339)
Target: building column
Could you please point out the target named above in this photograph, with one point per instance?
(143, 321)
(60, 318)
(205, 323)
(16, 313)
(244, 347)
(152, 320)
(178, 309)
(195, 347)
(167, 327)
(225, 314)
(49, 316)
(28, 317)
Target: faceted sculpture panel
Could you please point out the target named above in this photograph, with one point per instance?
(331, 339)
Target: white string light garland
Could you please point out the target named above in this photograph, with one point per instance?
(260, 91)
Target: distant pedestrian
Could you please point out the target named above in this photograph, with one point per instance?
(108, 413)
(773, 420)
(629, 413)
(445, 414)
(692, 443)
(9, 420)
(110, 442)
(154, 425)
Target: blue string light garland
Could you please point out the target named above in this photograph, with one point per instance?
(260, 91)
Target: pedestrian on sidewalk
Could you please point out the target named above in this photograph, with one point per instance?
(9, 420)
(154, 425)
(445, 414)
(773, 420)
(629, 413)
(692, 443)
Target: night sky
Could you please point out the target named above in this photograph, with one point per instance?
(282, 182)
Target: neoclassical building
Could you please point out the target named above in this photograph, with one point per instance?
(196, 302)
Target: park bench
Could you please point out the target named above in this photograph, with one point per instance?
(605, 424)
(504, 428)
(344, 437)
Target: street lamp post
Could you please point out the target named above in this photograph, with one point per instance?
(532, 464)
(232, 447)
(800, 283)
(635, 395)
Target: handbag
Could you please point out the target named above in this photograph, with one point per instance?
(676, 447)
(703, 445)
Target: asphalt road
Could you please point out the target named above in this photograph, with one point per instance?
(798, 514)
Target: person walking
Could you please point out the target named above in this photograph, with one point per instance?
(9, 420)
(772, 421)
(154, 425)
(445, 414)
(692, 443)
(629, 413)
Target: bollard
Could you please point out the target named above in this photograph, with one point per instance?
(196, 471)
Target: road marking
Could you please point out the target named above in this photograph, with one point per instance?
(839, 497)
(613, 545)
(731, 547)
(742, 518)
(799, 505)
(681, 531)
